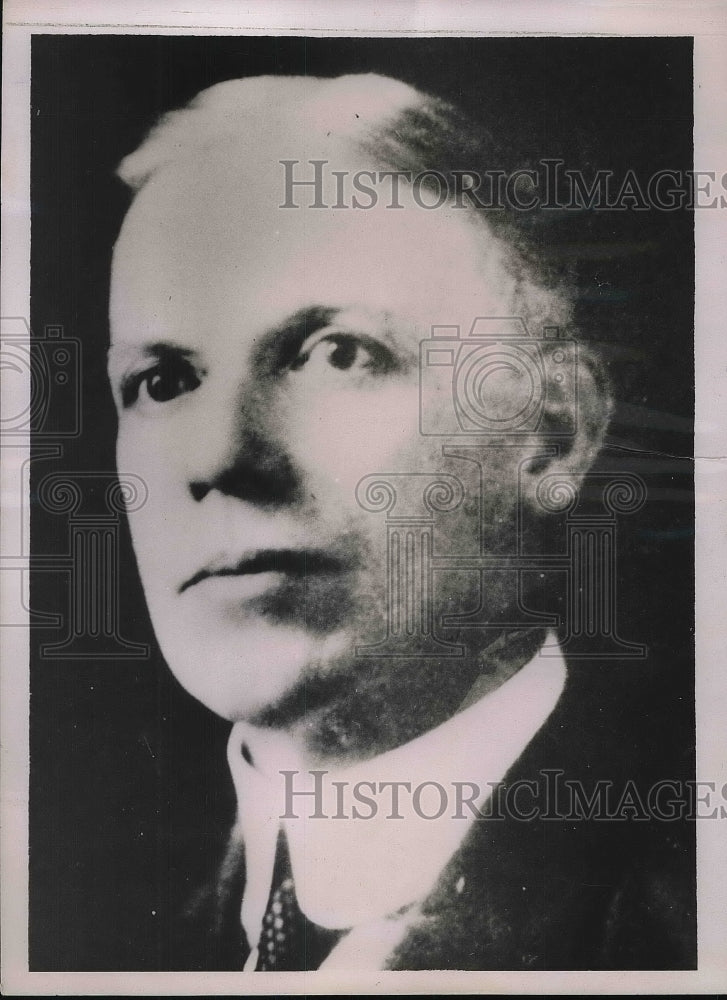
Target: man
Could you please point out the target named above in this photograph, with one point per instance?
(275, 391)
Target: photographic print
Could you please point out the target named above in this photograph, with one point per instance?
(357, 561)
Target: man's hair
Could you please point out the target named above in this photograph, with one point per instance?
(391, 124)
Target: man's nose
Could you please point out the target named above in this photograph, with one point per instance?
(239, 453)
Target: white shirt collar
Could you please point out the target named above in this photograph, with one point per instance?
(349, 871)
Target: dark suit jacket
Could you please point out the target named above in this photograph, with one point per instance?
(139, 883)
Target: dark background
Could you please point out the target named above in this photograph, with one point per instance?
(128, 783)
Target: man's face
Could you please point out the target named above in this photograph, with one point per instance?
(265, 360)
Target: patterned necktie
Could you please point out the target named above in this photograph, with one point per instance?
(289, 942)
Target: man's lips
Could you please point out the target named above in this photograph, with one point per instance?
(291, 562)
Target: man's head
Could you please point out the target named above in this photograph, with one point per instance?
(265, 360)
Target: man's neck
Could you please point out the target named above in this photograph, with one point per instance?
(353, 732)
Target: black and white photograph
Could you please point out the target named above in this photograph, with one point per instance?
(355, 548)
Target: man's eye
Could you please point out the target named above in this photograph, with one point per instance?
(345, 352)
(161, 384)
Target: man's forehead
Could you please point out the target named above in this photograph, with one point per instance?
(234, 193)
(208, 232)
(270, 264)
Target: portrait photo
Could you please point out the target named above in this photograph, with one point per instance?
(361, 504)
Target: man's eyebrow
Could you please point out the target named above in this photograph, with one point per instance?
(291, 332)
(278, 345)
(123, 357)
(305, 321)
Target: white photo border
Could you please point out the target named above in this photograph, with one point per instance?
(707, 23)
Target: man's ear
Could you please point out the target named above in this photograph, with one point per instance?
(588, 405)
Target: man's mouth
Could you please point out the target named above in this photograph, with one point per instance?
(295, 563)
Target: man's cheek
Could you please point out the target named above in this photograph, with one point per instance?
(356, 432)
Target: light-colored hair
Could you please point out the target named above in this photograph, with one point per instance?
(387, 121)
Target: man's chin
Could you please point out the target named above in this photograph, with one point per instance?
(270, 676)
